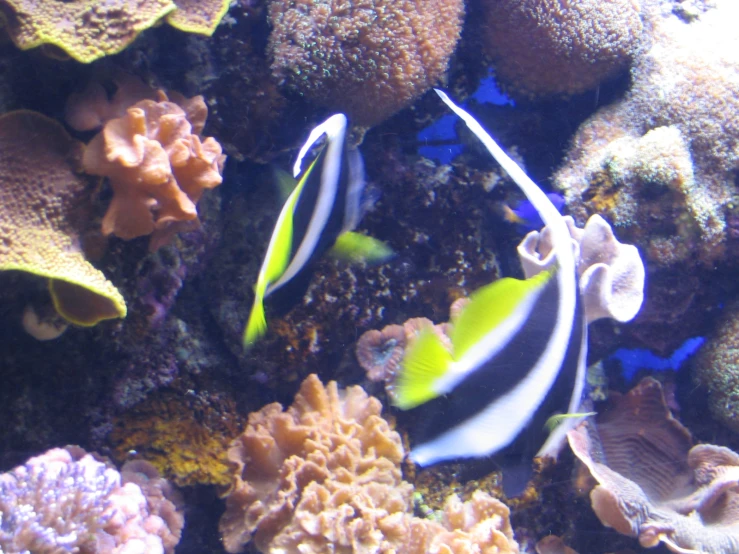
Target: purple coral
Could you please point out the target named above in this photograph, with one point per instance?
(66, 500)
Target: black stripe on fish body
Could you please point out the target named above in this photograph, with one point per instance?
(501, 374)
(289, 292)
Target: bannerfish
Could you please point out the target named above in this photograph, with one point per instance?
(525, 215)
(517, 353)
(320, 213)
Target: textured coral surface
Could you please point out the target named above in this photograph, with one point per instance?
(43, 201)
(369, 60)
(548, 47)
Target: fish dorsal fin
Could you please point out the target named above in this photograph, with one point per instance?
(490, 306)
(425, 361)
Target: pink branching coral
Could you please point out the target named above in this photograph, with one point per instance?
(324, 477)
(369, 60)
(546, 47)
(158, 166)
(66, 500)
(651, 484)
(661, 163)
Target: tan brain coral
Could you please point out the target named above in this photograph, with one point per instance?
(549, 47)
(324, 477)
(158, 166)
(368, 60)
(41, 194)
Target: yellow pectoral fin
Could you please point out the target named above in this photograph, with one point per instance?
(356, 247)
(256, 327)
(424, 362)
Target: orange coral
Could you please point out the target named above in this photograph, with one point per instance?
(324, 477)
(158, 167)
(42, 214)
(368, 62)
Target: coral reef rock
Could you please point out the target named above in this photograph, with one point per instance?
(660, 164)
(548, 47)
(324, 477)
(66, 500)
(717, 368)
(369, 61)
(43, 213)
(651, 484)
(158, 166)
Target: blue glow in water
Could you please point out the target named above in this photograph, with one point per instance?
(640, 358)
(443, 128)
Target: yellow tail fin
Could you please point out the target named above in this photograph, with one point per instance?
(256, 327)
(425, 361)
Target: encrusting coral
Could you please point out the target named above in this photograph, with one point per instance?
(198, 16)
(660, 164)
(368, 62)
(158, 166)
(324, 477)
(42, 197)
(84, 29)
(88, 29)
(683, 497)
(67, 500)
(548, 47)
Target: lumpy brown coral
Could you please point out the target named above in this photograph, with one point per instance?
(324, 477)
(368, 60)
(546, 47)
(651, 484)
(158, 166)
(661, 163)
(42, 214)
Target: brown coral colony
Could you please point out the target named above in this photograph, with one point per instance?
(158, 166)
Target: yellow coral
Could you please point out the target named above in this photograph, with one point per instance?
(186, 445)
(40, 211)
(198, 16)
(84, 29)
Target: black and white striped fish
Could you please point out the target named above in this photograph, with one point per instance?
(320, 214)
(517, 355)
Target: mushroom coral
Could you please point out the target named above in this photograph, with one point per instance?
(368, 60)
(158, 166)
(89, 29)
(41, 213)
(651, 484)
(324, 476)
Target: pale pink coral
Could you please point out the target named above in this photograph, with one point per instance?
(68, 500)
